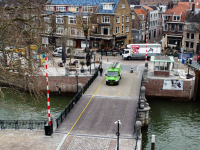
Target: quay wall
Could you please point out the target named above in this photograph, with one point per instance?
(154, 89)
(63, 84)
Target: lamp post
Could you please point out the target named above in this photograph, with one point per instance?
(117, 133)
(76, 74)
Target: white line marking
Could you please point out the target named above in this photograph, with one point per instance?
(62, 141)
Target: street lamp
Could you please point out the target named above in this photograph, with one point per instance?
(117, 133)
(76, 74)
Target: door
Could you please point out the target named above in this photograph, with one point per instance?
(107, 45)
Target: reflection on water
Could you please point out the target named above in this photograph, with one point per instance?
(174, 124)
(22, 106)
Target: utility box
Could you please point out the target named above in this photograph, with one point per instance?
(48, 129)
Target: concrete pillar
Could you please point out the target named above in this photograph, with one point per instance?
(138, 126)
(146, 64)
(67, 70)
(79, 86)
(145, 75)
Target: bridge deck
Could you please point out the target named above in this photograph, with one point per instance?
(91, 122)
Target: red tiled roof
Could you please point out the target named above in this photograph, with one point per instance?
(180, 9)
(148, 8)
(140, 11)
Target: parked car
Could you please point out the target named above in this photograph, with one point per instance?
(58, 52)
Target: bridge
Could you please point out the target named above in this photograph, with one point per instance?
(91, 123)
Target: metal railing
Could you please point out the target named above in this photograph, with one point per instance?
(22, 124)
(76, 98)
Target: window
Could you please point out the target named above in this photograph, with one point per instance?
(172, 27)
(188, 35)
(127, 28)
(122, 29)
(123, 6)
(60, 8)
(117, 19)
(127, 18)
(73, 8)
(95, 44)
(161, 66)
(26, 27)
(105, 19)
(133, 16)
(107, 7)
(59, 20)
(49, 8)
(188, 27)
(192, 35)
(87, 9)
(79, 32)
(122, 18)
(191, 44)
(165, 29)
(72, 31)
(69, 42)
(59, 30)
(105, 30)
(72, 20)
(47, 19)
(187, 44)
(117, 30)
(86, 20)
(180, 29)
(97, 20)
(176, 18)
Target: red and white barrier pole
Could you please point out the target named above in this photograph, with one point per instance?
(48, 100)
(147, 35)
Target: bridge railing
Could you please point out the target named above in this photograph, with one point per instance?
(136, 114)
(76, 98)
(22, 124)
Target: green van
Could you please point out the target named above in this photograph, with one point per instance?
(114, 73)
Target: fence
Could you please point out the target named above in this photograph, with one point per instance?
(76, 98)
(22, 124)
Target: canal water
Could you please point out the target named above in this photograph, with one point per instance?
(174, 124)
(15, 106)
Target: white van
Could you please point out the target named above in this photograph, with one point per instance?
(58, 52)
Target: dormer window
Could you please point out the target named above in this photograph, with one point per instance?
(176, 18)
(49, 8)
(107, 6)
(123, 6)
(87, 9)
(60, 8)
(73, 8)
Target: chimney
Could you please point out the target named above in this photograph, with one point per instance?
(189, 3)
(193, 7)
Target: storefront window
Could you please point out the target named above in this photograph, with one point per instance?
(95, 44)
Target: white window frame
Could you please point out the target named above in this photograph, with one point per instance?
(103, 27)
(122, 6)
(49, 8)
(97, 19)
(122, 29)
(127, 28)
(107, 6)
(117, 30)
(105, 19)
(59, 20)
(60, 30)
(117, 19)
(122, 18)
(26, 27)
(47, 19)
(60, 8)
(87, 9)
(87, 19)
(69, 42)
(71, 19)
(175, 18)
(127, 18)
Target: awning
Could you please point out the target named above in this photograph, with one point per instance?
(118, 37)
(95, 38)
(175, 36)
(104, 24)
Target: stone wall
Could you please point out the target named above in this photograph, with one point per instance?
(154, 90)
(64, 83)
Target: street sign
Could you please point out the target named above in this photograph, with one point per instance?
(185, 55)
(45, 40)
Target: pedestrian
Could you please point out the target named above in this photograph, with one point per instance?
(101, 70)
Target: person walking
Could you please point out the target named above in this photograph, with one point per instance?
(101, 70)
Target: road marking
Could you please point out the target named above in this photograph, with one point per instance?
(86, 106)
(62, 141)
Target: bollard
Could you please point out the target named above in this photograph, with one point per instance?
(146, 64)
(107, 60)
(67, 70)
(79, 86)
(138, 126)
(153, 142)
